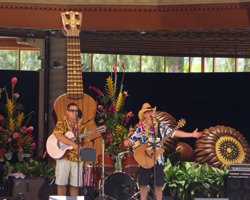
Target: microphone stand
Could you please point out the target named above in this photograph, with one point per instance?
(154, 146)
(102, 176)
(78, 159)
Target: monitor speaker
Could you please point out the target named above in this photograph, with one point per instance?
(238, 187)
(66, 198)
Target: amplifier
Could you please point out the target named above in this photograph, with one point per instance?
(239, 168)
(237, 187)
(28, 188)
(239, 174)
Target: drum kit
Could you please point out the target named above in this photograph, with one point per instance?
(113, 184)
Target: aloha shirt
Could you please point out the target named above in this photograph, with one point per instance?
(142, 133)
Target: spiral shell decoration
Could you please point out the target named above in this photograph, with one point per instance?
(170, 143)
(221, 146)
(185, 152)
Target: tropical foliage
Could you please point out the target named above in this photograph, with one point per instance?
(31, 168)
(28, 60)
(110, 110)
(186, 180)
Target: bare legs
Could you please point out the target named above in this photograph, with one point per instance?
(62, 190)
(144, 192)
(158, 192)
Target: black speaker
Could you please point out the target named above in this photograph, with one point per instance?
(238, 187)
(27, 188)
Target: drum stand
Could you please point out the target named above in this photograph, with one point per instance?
(102, 176)
(136, 195)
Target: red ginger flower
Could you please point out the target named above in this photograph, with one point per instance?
(13, 81)
(97, 91)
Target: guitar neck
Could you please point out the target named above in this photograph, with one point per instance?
(74, 68)
(169, 135)
(83, 135)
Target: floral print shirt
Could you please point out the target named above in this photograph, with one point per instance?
(64, 126)
(142, 133)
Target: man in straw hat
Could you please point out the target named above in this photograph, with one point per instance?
(146, 128)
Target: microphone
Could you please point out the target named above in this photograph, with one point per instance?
(88, 121)
(153, 125)
(76, 114)
(152, 118)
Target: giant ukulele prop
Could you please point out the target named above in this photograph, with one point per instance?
(71, 24)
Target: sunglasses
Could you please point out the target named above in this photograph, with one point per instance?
(76, 111)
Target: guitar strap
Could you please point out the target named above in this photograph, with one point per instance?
(159, 132)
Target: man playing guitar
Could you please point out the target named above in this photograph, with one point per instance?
(147, 128)
(67, 169)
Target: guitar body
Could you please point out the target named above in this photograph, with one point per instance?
(145, 157)
(55, 148)
(88, 107)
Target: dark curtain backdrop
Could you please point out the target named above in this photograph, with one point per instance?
(204, 100)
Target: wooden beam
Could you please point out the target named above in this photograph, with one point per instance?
(122, 17)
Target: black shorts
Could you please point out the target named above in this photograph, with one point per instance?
(146, 176)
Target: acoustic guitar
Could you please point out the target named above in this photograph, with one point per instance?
(145, 156)
(56, 149)
(75, 93)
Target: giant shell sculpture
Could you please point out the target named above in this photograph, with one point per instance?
(220, 146)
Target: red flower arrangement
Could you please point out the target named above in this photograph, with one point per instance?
(110, 111)
(16, 138)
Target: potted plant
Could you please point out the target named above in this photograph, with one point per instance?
(16, 138)
(30, 177)
(110, 110)
(17, 143)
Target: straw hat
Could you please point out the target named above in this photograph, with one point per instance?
(145, 107)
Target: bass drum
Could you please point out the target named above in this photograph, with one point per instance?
(119, 186)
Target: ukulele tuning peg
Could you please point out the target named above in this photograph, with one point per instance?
(67, 23)
(67, 14)
(77, 14)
